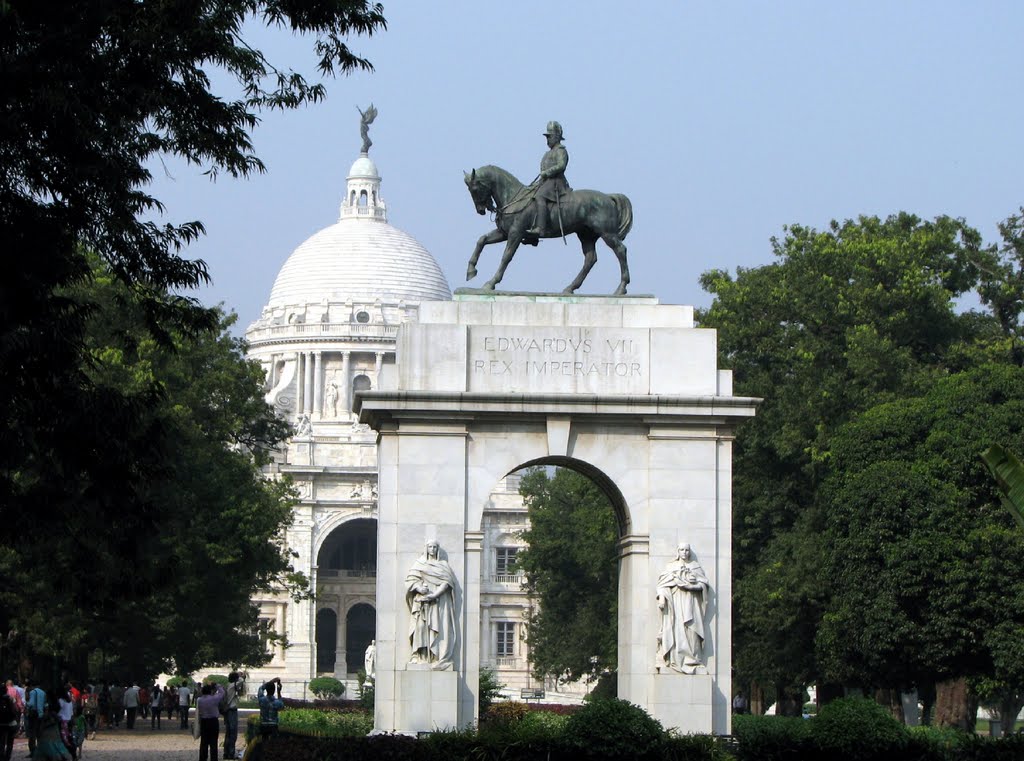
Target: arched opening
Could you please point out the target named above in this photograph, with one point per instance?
(352, 198)
(349, 551)
(326, 640)
(363, 198)
(360, 383)
(551, 526)
(360, 629)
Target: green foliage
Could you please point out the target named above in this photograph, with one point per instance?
(770, 738)
(1009, 474)
(846, 318)
(857, 729)
(178, 681)
(606, 687)
(571, 567)
(220, 679)
(505, 712)
(488, 689)
(326, 687)
(614, 729)
(926, 568)
(310, 721)
(100, 93)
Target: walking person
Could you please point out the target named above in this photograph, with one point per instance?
(156, 704)
(35, 710)
(235, 689)
(116, 703)
(8, 725)
(79, 731)
(208, 716)
(50, 745)
(131, 704)
(144, 700)
(184, 697)
(66, 712)
(104, 704)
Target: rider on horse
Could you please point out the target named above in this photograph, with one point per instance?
(552, 178)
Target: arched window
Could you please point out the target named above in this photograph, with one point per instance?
(361, 383)
(352, 198)
(362, 198)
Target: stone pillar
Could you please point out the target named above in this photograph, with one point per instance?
(279, 627)
(376, 369)
(340, 651)
(345, 391)
(485, 636)
(318, 383)
(299, 385)
(307, 395)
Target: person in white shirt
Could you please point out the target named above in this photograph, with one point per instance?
(184, 697)
(131, 704)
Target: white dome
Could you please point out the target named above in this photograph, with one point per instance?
(363, 167)
(361, 260)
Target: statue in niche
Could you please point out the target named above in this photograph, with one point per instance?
(430, 595)
(370, 660)
(332, 399)
(682, 598)
(304, 429)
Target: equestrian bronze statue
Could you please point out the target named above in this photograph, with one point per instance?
(548, 208)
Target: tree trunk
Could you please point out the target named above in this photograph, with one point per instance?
(1009, 709)
(891, 700)
(757, 706)
(788, 702)
(827, 693)
(955, 704)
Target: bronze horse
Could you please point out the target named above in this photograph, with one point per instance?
(588, 213)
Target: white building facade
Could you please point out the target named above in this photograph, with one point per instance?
(328, 330)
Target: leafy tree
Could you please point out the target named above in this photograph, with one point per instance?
(571, 567)
(844, 319)
(172, 527)
(925, 564)
(96, 92)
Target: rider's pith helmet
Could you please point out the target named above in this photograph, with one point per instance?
(554, 128)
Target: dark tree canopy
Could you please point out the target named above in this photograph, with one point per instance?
(571, 567)
(95, 93)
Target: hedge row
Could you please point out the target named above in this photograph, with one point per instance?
(846, 730)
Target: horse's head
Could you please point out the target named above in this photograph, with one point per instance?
(483, 197)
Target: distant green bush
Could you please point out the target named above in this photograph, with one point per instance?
(178, 681)
(772, 738)
(220, 679)
(611, 729)
(310, 721)
(489, 689)
(325, 687)
(858, 729)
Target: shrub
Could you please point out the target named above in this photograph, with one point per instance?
(858, 729)
(695, 748)
(310, 721)
(506, 712)
(220, 679)
(607, 687)
(772, 738)
(178, 681)
(326, 687)
(611, 729)
(489, 689)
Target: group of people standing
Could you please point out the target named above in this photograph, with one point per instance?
(57, 722)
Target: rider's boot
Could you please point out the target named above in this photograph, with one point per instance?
(540, 220)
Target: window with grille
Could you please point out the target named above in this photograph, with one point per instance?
(505, 633)
(505, 562)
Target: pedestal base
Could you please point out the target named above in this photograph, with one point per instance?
(683, 701)
(429, 700)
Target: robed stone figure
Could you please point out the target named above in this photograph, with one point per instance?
(430, 595)
(682, 598)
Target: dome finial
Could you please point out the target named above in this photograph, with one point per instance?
(364, 126)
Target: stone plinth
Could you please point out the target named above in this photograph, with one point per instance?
(624, 390)
(429, 700)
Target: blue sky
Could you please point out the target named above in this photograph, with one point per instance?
(721, 121)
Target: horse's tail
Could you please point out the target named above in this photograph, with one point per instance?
(625, 209)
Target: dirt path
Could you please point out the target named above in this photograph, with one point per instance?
(140, 744)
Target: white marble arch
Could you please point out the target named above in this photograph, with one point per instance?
(332, 519)
(628, 393)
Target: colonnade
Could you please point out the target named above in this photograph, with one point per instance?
(311, 380)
